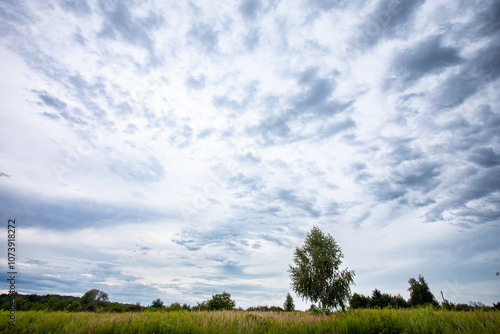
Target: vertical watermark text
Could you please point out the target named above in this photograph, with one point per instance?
(11, 273)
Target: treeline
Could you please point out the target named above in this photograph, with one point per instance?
(92, 301)
(98, 301)
(379, 300)
(420, 295)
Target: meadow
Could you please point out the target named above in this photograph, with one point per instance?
(424, 320)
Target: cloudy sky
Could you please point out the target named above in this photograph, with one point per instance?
(178, 149)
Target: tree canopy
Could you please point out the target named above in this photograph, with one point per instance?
(289, 305)
(316, 275)
(420, 293)
(221, 301)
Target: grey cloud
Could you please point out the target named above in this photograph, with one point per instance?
(249, 157)
(473, 216)
(50, 115)
(194, 240)
(87, 92)
(359, 220)
(485, 157)
(327, 4)
(13, 15)
(252, 39)
(52, 101)
(131, 128)
(318, 91)
(359, 170)
(484, 21)
(482, 131)
(123, 109)
(426, 202)
(134, 30)
(429, 56)
(294, 201)
(249, 9)
(4, 175)
(422, 177)
(245, 184)
(475, 75)
(36, 262)
(77, 7)
(79, 39)
(482, 185)
(390, 18)
(272, 209)
(181, 136)
(139, 171)
(483, 67)
(70, 214)
(231, 268)
(337, 127)
(196, 83)
(231, 236)
(403, 151)
(333, 209)
(271, 129)
(358, 166)
(315, 99)
(280, 241)
(204, 36)
(72, 116)
(386, 191)
(229, 103)
(205, 133)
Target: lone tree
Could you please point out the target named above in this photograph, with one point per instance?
(316, 275)
(289, 305)
(157, 303)
(420, 294)
(221, 301)
(94, 298)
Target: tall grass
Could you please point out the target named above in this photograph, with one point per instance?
(355, 321)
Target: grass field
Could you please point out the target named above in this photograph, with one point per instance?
(355, 321)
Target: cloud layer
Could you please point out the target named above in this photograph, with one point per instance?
(177, 150)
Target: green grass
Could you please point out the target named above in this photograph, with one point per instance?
(355, 321)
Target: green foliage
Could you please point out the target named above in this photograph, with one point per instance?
(377, 300)
(419, 320)
(94, 299)
(265, 309)
(420, 294)
(157, 303)
(73, 307)
(289, 305)
(316, 275)
(359, 301)
(221, 301)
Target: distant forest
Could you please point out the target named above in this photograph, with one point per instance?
(97, 301)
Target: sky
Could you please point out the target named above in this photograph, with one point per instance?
(179, 149)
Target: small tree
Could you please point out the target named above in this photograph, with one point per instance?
(157, 303)
(420, 294)
(359, 301)
(93, 298)
(220, 301)
(289, 304)
(316, 275)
